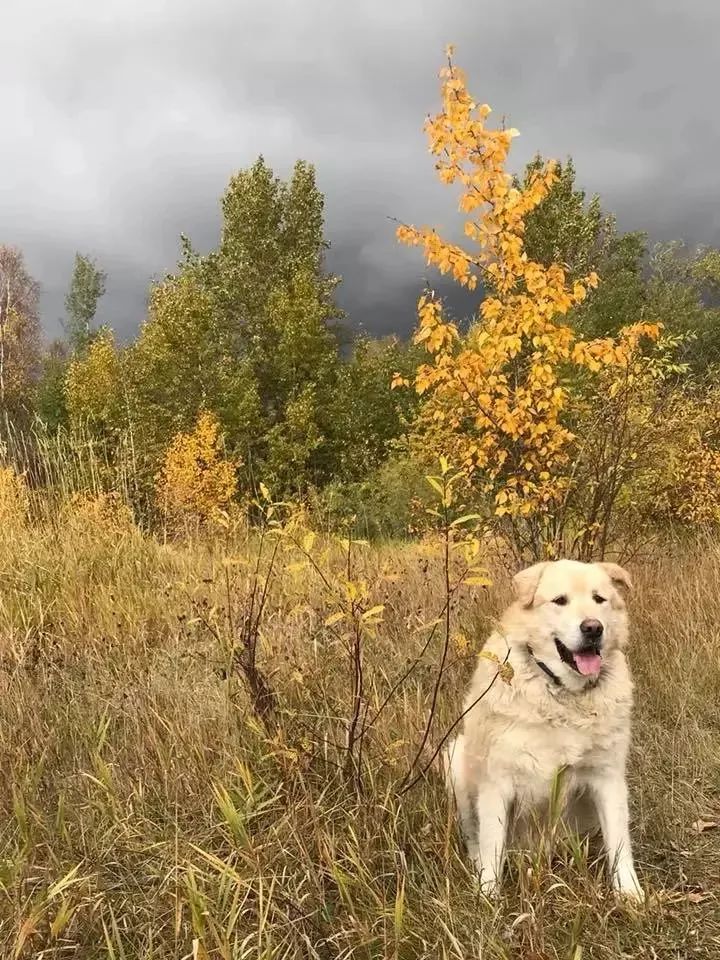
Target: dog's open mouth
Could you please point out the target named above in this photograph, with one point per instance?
(587, 661)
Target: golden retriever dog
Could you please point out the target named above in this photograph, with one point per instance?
(566, 711)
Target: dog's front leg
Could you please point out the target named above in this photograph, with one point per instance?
(493, 805)
(611, 798)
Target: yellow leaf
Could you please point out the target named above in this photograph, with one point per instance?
(373, 612)
(477, 581)
(462, 644)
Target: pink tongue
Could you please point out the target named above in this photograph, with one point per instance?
(588, 663)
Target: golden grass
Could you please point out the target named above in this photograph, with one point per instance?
(147, 815)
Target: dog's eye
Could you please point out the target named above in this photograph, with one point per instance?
(561, 600)
(598, 599)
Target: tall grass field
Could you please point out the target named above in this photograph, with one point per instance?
(155, 805)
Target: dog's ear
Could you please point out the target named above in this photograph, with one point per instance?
(526, 583)
(617, 574)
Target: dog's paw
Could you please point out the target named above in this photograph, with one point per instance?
(628, 889)
(490, 889)
(488, 883)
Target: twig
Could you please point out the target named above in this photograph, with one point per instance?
(405, 787)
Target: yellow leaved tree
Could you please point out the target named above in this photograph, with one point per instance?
(196, 482)
(497, 398)
(94, 391)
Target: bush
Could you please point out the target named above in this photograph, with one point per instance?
(195, 481)
(390, 503)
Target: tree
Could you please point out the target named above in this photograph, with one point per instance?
(19, 333)
(620, 300)
(94, 388)
(269, 282)
(49, 403)
(567, 229)
(497, 400)
(185, 361)
(87, 286)
(364, 417)
(682, 295)
(564, 228)
(649, 450)
(247, 333)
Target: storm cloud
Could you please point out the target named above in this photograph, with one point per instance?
(123, 120)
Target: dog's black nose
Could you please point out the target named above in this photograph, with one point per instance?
(591, 629)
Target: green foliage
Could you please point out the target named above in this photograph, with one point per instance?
(50, 404)
(563, 228)
(384, 504)
(619, 300)
(365, 417)
(184, 360)
(87, 286)
(269, 287)
(292, 442)
(682, 294)
(568, 229)
(246, 332)
(297, 346)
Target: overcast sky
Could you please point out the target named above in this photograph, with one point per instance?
(122, 121)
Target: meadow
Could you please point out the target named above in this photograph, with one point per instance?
(148, 812)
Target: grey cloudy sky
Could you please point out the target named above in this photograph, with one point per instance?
(122, 121)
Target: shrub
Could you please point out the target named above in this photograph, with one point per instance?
(195, 481)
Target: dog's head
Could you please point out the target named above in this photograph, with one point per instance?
(573, 615)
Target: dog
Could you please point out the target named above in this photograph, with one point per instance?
(567, 708)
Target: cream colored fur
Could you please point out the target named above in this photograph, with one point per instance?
(521, 735)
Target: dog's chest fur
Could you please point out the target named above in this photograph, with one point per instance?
(530, 732)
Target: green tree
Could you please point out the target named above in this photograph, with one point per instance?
(565, 227)
(50, 404)
(364, 416)
(248, 332)
(269, 281)
(569, 229)
(292, 443)
(683, 294)
(620, 298)
(87, 286)
(185, 361)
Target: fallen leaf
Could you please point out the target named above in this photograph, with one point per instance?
(700, 826)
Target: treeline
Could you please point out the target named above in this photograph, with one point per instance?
(251, 333)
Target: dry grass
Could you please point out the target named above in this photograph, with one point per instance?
(147, 815)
